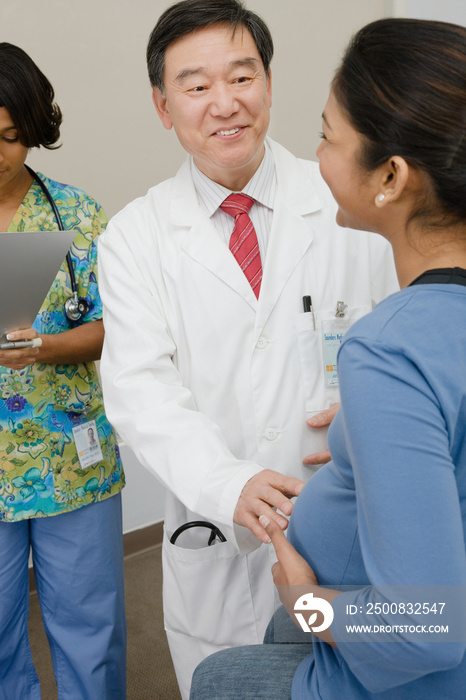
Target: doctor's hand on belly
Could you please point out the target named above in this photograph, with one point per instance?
(321, 420)
(261, 494)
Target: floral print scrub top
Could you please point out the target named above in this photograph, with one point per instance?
(40, 471)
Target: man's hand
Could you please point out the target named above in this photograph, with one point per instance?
(321, 420)
(261, 494)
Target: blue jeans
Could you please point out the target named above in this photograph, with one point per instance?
(78, 566)
(258, 672)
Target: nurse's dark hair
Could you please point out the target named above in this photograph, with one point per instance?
(190, 15)
(402, 85)
(29, 98)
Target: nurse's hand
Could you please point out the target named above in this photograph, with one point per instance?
(19, 358)
(80, 344)
(261, 494)
(321, 420)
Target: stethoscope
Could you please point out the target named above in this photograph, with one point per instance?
(215, 533)
(75, 308)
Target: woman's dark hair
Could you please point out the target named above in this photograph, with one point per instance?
(28, 96)
(402, 85)
(189, 15)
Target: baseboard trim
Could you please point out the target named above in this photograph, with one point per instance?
(139, 541)
(134, 543)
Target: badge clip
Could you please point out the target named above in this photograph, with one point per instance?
(341, 309)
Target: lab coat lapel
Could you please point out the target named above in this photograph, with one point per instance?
(292, 230)
(201, 241)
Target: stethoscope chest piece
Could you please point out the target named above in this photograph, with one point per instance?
(75, 308)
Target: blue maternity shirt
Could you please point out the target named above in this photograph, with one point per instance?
(390, 509)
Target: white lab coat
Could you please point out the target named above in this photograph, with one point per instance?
(208, 385)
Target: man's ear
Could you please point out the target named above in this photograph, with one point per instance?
(393, 178)
(269, 87)
(160, 103)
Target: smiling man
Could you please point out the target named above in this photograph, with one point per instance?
(217, 95)
(212, 366)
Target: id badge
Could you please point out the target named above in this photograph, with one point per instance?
(333, 331)
(87, 444)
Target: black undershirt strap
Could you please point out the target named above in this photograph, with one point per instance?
(444, 275)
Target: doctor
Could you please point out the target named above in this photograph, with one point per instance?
(211, 367)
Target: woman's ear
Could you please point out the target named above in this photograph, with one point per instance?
(160, 104)
(394, 175)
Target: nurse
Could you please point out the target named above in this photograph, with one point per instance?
(58, 501)
(211, 366)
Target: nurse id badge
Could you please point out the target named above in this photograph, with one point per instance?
(87, 444)
(333, 332)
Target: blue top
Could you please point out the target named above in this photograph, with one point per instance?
(390, 509)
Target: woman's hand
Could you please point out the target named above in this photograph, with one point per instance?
(19, 358)
(80, 344)
(294, 577)
(291, 569)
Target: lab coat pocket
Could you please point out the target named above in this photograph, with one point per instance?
(310, 356)
(198, 586)
(320, 393)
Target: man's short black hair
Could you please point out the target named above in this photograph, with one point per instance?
(190, 15)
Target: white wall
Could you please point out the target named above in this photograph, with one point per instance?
(442, 10)
(143, 496)
(93, 52)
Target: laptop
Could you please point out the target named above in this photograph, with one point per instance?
(29, 262)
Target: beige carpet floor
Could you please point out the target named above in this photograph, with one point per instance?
(149, 669)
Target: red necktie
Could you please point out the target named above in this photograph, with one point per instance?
(243, 241)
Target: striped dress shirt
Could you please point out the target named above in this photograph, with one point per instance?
(261, 188)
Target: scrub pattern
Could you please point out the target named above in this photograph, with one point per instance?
(40, 471)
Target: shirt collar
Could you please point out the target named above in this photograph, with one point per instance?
(261, 187)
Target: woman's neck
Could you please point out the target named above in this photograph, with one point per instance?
(11, 196)
(423, 250)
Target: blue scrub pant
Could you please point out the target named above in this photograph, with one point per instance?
(78, 566)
